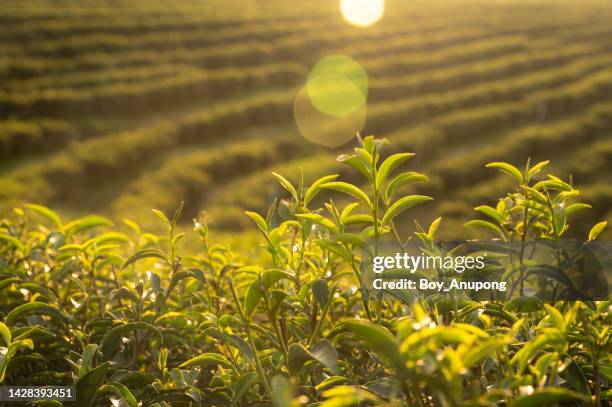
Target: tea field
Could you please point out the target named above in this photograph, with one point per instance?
(133, 319)
(110, 107)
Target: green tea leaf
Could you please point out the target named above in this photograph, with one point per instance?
(5, 332)
(33, 308)
(145, 254)
(10, 351)
(13, 242)
(485, 225)
(121, 391)
(575, 375)
(45, 212)
(575, 208)
(325, 353)
(320, 292)
(259, 221)
(111, 338)
(266, 280)
(161, 216)
(206, 359)
(88, 385)
(597, 229)
(401, 180)
(176, 216)
(490, 212)
(243, 385)
(555, 317)
(375, 337)
(548, 396)
(348, 189)
(88, 222)
(508, 169)
(537, 168)
(403, 204)
(357, 163)
(286, 184)
(389, 165)
(314, 189)
(320, 220)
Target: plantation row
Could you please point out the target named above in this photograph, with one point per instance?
(202, 35)
(245, 52)
(461, 76)
(557, 101)
(456, 127)
(281, 49)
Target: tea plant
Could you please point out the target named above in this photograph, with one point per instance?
(130, 319)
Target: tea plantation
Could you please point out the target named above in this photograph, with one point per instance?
(110, 107)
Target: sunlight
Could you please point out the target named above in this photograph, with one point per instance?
(362, 13)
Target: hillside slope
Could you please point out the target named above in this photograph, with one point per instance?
(114, 107)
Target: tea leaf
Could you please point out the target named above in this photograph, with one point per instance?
(320, 292)
(206, 359)
(348, 189)
(145, 254)
(597, 229)
(161, 216)
(111, 338)
(6, 333)
(575, 375)
(87, 386)
(375, 336)
(36, 308)
(389, 165)
(485, 225)
(555, 317)
(14, 242)
(243, 385)
(402, 204)
(508, 169)
(88, 222)
(357, 163)
(259, 221)
(314, 189)
(402, 179)
(537, 168)
(46, 212)
(177, 215)
(576, 207)
(548, 396)
(266, 280)
(325, 353)
(121, 391)
(320, 220)
(286, 184)
(490, 212)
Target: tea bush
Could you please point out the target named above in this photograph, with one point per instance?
(129, 319)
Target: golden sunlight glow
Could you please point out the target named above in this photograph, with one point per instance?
(362, 13)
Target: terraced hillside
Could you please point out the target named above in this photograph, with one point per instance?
(113, 107)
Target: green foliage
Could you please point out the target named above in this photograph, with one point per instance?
(127, 317)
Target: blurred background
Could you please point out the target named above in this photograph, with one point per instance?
(115, 107)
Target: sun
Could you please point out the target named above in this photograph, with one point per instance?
(362, 13)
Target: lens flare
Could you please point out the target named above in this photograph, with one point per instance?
(324, 129)
(337, 85)
(331, 107)
(362, 13)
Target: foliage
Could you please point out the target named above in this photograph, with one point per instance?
(124, 315)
